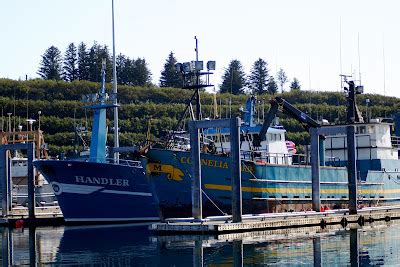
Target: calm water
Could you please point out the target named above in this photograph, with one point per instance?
(134, 245)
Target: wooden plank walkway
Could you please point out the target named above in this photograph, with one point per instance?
(50, 215)
(224, 224)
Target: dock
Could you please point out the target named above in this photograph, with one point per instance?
(271, 221)
(44, 216)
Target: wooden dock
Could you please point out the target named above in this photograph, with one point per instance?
(44, 216)
(224, 224)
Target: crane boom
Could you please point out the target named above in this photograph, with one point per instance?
(289, 109)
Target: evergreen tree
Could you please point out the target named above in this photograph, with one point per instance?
(97, 54)
(83, 62)
(122, 65)
(234, 78)
(169, 77)
(282, 78)
(51, 64)
(93, 73)
(258, 78)
(70, 63)
(141, 73)
(295, 85)
(272, 88)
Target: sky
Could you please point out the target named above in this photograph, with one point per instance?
(312, 40)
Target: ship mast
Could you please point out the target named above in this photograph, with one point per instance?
(116, 130)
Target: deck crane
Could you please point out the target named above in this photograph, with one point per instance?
(287, 108)
(316, 141)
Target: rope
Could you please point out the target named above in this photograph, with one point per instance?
(212, 202)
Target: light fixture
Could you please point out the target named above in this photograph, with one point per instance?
(211, 65)
(187, 67)
(178, 67)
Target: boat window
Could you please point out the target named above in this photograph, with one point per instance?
(362, 129)
(371, 129)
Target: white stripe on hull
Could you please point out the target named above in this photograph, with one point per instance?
(60, 188)
(127, 193)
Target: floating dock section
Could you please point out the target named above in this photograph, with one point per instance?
(270, 221)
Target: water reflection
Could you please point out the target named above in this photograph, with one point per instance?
(134, 245)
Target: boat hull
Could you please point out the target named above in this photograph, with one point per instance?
(99, 192)
(265, 187)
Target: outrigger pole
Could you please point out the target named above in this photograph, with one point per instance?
(116, 130)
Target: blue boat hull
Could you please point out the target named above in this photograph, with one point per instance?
(265, 187)
(99, 192)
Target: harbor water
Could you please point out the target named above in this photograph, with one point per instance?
(135, 245)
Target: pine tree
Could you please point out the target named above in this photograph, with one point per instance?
(93, 73)
(70, 63)
(83, 62)
(258, 78)
(51, 64)
(169, 77)
(122, 63)
(282, 78)
(141, 73)
(234, 78)
(272, 88)
(295, 85)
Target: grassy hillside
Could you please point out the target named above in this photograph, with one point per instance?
(61, 108)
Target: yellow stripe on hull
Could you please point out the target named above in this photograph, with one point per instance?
(289, 190)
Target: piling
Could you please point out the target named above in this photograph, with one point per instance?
(352, 168)
(236, 171)
(196, 171)
(315, 173)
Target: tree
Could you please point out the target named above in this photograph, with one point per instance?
(295, 85)
(169, 77)
(258, 78)
(123, 65)
(70, 63)
(51, 64)
(83, 62)
(272, 88)
(141, 73)
(234, 78)
(282, 78)
(132, 72)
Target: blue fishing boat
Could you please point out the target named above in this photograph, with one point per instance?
(100, 189)
(274, 178)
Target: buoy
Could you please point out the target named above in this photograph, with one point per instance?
(19, 224)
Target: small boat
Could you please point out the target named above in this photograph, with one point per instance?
(98, 189)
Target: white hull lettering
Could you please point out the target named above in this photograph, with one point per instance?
(101, 181)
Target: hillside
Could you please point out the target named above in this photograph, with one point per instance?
(61, 108)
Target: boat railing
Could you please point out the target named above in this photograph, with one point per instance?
(275, 158)
(127, 162)
(333, 161)
(396, 141)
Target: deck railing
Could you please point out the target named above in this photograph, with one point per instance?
(275, 158)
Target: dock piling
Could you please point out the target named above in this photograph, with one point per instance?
(352, 168)
(234, 125)
(236, 171)
(196, 171)
(315, 177)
